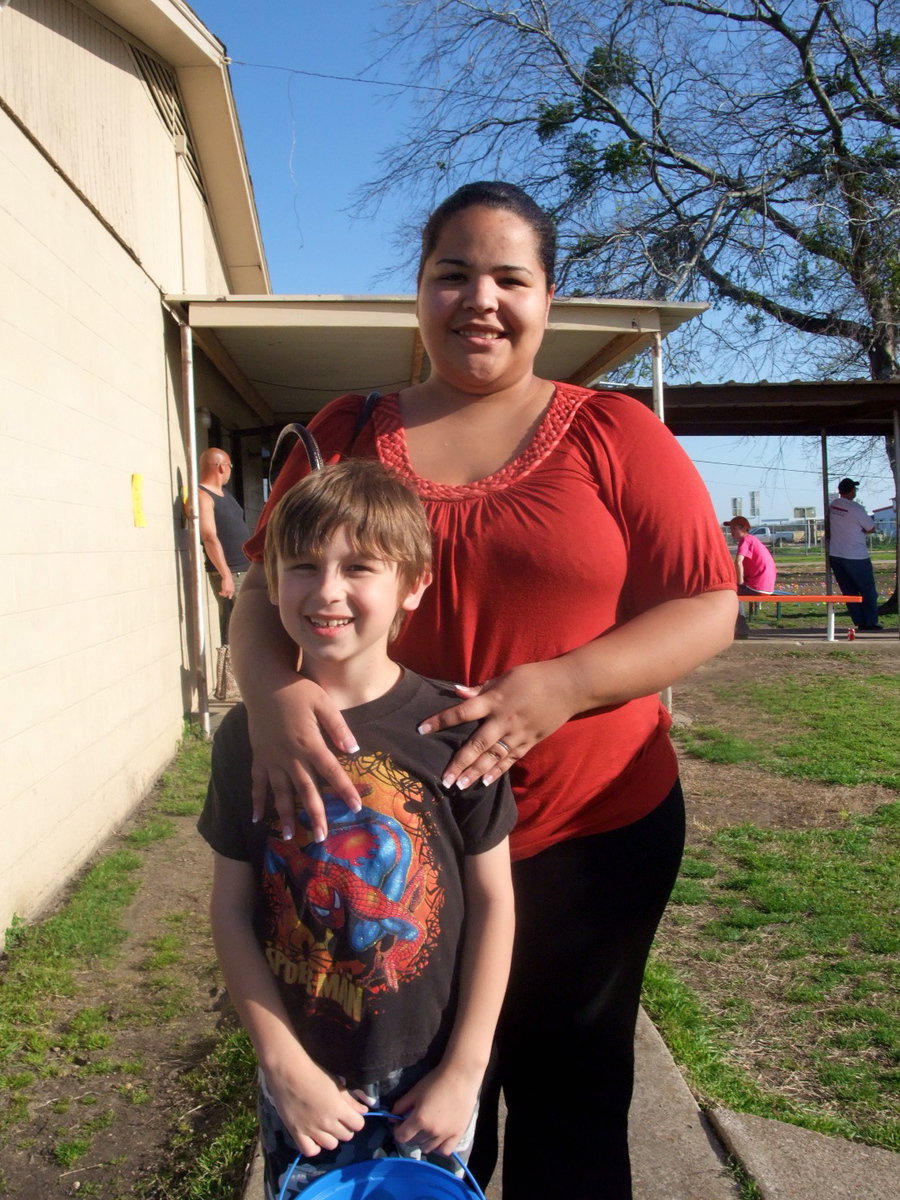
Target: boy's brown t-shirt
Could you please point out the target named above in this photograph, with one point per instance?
(363, 931)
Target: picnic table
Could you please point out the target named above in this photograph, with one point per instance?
(779, 598)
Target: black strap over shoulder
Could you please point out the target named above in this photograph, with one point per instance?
(365, 413)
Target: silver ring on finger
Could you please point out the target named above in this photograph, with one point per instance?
(503, 746)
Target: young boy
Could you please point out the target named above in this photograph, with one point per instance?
(368, 968)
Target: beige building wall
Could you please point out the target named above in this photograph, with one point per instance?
(93, 666)
(100, 215)
(106, 111)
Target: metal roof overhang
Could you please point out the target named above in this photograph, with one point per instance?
(289, 355)
(837, 407)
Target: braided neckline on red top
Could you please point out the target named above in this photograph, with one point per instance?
(394, 452)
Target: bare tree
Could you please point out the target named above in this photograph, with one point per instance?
(744, 151)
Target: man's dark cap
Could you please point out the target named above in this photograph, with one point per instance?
(846, 484)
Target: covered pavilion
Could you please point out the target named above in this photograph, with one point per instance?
(831, 408)
(284, 357)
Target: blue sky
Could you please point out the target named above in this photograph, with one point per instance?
(314, 134)
(313, 137)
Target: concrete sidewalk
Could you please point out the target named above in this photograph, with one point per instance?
(679, 1153)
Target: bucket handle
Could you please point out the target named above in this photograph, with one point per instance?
(310, 445)
(282, 448)
(379, 1112)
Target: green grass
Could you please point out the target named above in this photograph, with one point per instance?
(46, 1033)
(698, 1042)
(70, 1150)
(167, 950)
(829, 721)
(803, 930)
(210, 1168)
(155, 829)
(703, 741)
(846, 733)
(181, 789)
(42, 959)
(205, 1162)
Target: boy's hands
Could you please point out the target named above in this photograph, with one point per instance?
(317, 1111)
(437, 1110)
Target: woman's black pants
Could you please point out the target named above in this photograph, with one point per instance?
(586, 914)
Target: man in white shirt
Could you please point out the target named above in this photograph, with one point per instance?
(846, 527)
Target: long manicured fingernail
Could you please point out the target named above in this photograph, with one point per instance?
(448, 781)
(425, 728)
(287, 833)
(488, 779)
(351, 748)
(463, 782)
(320, 837)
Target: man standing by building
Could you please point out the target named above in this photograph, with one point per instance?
(845, 529)
(223, 533)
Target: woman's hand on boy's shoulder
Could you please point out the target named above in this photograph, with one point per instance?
(513, 712)
(290, 755)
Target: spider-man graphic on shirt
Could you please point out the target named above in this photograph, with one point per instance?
(356, 914)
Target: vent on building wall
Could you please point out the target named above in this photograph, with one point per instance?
(163, 89)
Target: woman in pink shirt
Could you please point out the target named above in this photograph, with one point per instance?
(754, 567)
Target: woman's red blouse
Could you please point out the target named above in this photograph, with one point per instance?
(602, 517)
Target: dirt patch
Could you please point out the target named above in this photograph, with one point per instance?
(131, 1098)
(752, 982)
(720, 795)
(137, 1115)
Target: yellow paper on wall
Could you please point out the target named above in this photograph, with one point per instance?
(137, 501)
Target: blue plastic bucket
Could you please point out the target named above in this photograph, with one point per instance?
(390, 1179)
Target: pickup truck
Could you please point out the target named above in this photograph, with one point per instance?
(773, 537)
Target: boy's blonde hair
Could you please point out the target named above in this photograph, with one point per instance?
(382, 516)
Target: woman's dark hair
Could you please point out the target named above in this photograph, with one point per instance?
(494, 194)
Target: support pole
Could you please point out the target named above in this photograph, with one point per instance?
(197, 573)
(896, 504)
(829, 589)
(656, 362)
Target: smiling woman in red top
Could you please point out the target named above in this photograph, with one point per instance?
(568, 591)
